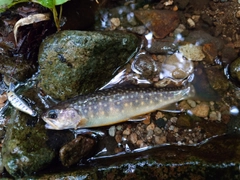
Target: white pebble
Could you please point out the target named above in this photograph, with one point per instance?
(112, 131)
(191, 23)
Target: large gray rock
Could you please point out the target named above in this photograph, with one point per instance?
(75, 62)
(28, 147)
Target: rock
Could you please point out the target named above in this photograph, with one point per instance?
(235, 69)
(181, 3)
(137, 29)
(201, 37)
(229, 54)
(176, 67)
(184, 121)
(28, 147)
(74, 151)
(163, 46)
(217, 79)
(192, 52)
(112, 131)
(160, 22)
(206, 19)
(191, 103)
(13, 70)
(133, 138)
(210, 52)
(160, 139)
(191, 23)
(201, 110)
(75, 62)
(144, 64)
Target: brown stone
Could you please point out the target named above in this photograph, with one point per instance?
(201, 110)
(75, 150)
(210, 52)
(160, 22)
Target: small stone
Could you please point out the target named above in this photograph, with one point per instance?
(161, 122)
(140, 143)
(191, 23)
(184, 105)
(118, 138)
(210, 51)
(238, 14)
(151, 126)
(191, 103)
(112, 131)
(213, 116)
(195, 18)
(127, 131)
(201, 110)
(115, 22)
(184, 121)
(119, 127)
(157, 131)
(192, 52)
(159, 115)
(133, 138)
(160, 139)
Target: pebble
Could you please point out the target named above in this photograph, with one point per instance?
(192, 52)
(238, 14)
(191, 23)
(118, 138)
(119, 127)
(127, 131)
(112, 131)
(201, 110)
(191, 103)
(150, 127)
(160, 139)
(133, 138)
(157, 130)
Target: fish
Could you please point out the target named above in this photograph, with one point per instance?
(18, 103)
(111, 106)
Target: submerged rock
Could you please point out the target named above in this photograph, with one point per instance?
(235, 70)
(161, 23)
(74, 151)
(75, 62)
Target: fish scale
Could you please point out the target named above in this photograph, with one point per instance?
(111, 106)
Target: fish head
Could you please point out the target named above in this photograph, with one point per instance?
(59, 119)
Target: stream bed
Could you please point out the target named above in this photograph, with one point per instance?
(107, 44)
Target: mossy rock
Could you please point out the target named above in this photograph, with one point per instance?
(76, 62)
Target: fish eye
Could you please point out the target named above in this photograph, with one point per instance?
(52, 114)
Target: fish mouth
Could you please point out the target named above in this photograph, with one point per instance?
(50, 124)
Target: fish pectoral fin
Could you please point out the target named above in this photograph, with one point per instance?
(82, 123)
(140, 118)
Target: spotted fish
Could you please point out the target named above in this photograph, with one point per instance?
(110, 106)
(18, 103)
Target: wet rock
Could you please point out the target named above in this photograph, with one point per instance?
(75, 62)
(144, 64)
(201, 37)
(210, 52)
(192, 52)
(74, 151)
(13, 70)
(160, 22)
(201, 110)
(176, 67)
(206, 19)
(217, 79)
(164, 46)
(184, 121)
(28, 147)
(182, 3)
(235, 69)
(229, 54)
